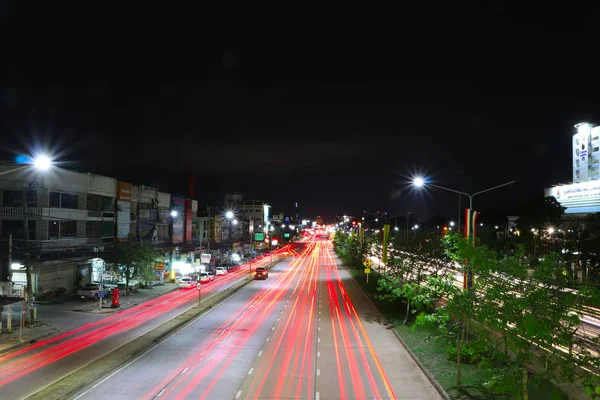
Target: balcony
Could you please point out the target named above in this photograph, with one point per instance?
(96, 244)
(59, 213)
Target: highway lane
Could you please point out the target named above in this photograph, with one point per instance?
(211, 356)
(295, 335)
(28, 370)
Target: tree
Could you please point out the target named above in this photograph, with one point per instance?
(133, 261)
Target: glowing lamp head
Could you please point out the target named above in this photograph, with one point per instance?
(42, 162)
(229, 214)
(418, 181)
(173, 214)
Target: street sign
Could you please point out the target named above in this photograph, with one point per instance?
(367, 270)
(286, 235)
(198, 286)
(259, 236)
(367, 263)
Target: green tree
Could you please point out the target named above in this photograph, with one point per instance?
(133, 261)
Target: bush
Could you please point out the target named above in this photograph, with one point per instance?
(472, 353)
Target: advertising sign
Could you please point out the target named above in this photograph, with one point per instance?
(205, 258)
(124, 194)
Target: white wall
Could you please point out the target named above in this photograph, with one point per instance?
(102, 185)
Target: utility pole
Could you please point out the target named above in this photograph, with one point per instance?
(27, 259)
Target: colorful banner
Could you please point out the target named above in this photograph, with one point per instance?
(384, 253)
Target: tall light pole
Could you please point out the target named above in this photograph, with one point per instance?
(40, 163)
(420, 182)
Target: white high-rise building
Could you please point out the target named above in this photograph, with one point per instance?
(586, 153)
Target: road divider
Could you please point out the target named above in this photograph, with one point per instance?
(75, 382)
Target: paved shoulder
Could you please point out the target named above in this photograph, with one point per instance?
(405, 377)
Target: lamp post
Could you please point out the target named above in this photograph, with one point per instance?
(420, 182)
(39, 163)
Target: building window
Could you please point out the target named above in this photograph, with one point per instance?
(60, 229)
(63, 200)
(577, 174)
(68, 200)
(577, 162)
(53, 229)
(54, 200)
(15, 227)
(14, 198)
(595, 149)
(96, 202)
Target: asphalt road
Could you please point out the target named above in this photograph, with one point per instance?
(295, 335)
(29, 370)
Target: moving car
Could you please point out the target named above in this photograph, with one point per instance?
(205, 277)
(187, 282)
(261, 273)
(221, 271)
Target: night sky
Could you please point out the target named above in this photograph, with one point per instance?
(331, 106)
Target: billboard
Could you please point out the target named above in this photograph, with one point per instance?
(124, 194)
(581, 197)
(178, 222)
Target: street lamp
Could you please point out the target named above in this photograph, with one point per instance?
(229, 214)
(235, 221)
(40, 163)
(420, 182)
(173, 214)
(451, 223)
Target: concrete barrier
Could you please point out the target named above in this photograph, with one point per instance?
(69, 385)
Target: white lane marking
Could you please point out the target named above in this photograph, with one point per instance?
(318, 354)
(267, 340)
(251, 370)
(155, 346)
(319, 340)
(237, 396)
(160, 393)
(319, 328)
(260, 353)
(318, 372)
(273, 328)
(319, 319)
(277, 319)
(317, 396)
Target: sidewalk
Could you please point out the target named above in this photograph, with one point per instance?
(63, 317)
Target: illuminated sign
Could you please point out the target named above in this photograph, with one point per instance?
(259, 236)
(578, 198)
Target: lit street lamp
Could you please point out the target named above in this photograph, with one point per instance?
(420, 182)
(40, 163)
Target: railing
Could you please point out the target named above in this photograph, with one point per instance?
(58, 213)
(66, 244)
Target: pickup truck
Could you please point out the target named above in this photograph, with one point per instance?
(91, 291)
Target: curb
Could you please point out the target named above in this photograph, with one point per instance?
(76, 381)
(428, 374)
(26, 343)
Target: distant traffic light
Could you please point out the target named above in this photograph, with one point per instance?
(353, 223)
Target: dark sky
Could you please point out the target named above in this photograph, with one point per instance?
(331, 106)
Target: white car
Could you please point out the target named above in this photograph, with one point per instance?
(205, 277)
(187, 282)
(221, 271)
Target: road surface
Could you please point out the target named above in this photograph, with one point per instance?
(295, 335)
(30, 369)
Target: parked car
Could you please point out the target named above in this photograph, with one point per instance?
(92, 291)
(187, 282)
(221, 271)
(205, 277)
(261, 273)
